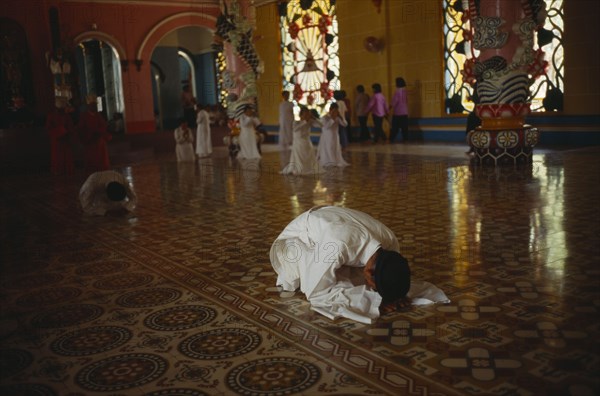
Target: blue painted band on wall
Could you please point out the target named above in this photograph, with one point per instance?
(576, 130)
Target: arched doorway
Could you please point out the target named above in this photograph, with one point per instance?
(158, 77)
(185, 57)
(99, 70)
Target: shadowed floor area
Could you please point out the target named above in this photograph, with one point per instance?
(179, 297)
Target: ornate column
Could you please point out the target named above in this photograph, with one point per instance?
(234, 34)
(507, 65)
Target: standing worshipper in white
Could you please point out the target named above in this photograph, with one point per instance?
(286, 119)
(247, 139)
(203, 141)
(347, 264)
(329, 151)
(184, 140)
(303, 159)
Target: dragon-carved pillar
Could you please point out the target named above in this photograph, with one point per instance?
(234, 33)
(503, 33)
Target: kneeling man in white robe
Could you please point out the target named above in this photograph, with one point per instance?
(107, 192)
(312, 250)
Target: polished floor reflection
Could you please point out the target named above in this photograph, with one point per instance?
(179, 297)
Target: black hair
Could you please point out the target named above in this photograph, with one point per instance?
(360, 88)
(333, 106)
(392, 275)
(376, 87)
(115, 191)
(400, 82)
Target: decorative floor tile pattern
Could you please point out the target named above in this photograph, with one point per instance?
(178, 298)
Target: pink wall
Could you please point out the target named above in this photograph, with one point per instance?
(133, 28)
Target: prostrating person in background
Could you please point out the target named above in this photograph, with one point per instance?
(399, 111)
(107, 192)
(303, 159)
(329, 151)
(203, 139)
(94, 136)
(61, 132)
(379, 109)
(184, 140)
(361, 103)
(347, 264)
(286, 120)
(247, 139)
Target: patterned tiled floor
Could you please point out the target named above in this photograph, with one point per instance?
(179, 297)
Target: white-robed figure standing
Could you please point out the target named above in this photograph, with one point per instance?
(329, 151)
(286, 120)
(184, 140)
(247, 138)
(317, 251)
(303, 159)
(107, 191)
(203, 140)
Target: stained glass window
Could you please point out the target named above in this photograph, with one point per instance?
(547, 90)
(309, 48)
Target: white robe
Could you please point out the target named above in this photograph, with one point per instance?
(93, 198)
(329, 151)
(286, 119)
(203, 141)
(311, 250)
(184, 148)
(303, 159)
(247, 138)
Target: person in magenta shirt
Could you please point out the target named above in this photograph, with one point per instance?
(379, 109)
(361, 102)
(399, 111)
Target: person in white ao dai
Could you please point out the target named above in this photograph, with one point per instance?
(203, 140)
(247, 138)
(303, 159)
(329, 152)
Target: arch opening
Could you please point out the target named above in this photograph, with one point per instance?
(186, 58)
(99, 70)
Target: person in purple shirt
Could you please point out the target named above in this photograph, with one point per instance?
(361, 102)
(379, 109)
(399, 111)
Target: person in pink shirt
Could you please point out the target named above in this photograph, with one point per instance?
(379, 109)
(399, 111)
(361, 102)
